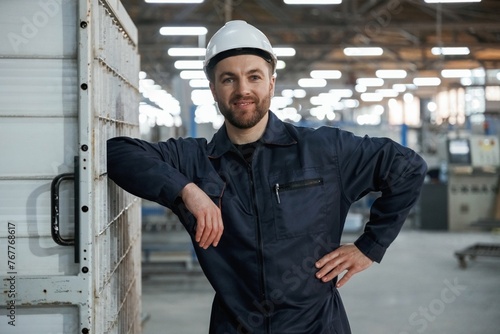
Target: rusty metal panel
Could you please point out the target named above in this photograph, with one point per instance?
(117, 234)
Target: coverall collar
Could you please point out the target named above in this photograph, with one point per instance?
(274, 134)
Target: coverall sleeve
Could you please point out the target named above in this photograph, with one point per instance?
(380, 164)
(150, 171)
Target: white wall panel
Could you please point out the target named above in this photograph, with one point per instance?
(38, 87)
(38, 28)
(37, 147)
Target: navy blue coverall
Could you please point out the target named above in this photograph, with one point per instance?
(282, 211)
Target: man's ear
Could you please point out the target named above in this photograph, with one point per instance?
(212, 89)
(272, 85)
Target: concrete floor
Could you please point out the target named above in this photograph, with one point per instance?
(418, 288)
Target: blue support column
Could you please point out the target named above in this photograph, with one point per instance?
(192, 123)
(404, 134)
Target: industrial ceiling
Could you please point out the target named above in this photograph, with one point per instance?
(406, 30)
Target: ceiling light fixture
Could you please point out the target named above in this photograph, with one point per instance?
(311, 82)
(186, 52)
(360, 88)
(326, 74)
(341, 92)
(192, 75)
(387, 92)
(450, 1)
(189, 64)
(370, 82)
(280, 65)
(351, 103)
(174, 1)
(391, 74)
(284, 52)
(299, 93)
(199, 83)
(371, 97)
(312, 2)
(399, 87)
(183, 31)
(456, 73)
(450, 51)
(427, 81)
(368, 51)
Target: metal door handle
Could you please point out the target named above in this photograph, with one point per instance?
(54, 201)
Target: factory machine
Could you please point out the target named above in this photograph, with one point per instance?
(472, 181)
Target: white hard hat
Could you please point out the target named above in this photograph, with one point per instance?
(241, 37)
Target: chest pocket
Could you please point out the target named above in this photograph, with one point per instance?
(302, 201)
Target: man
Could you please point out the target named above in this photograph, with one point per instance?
(265, 202)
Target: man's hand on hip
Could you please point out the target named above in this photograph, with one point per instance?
(345, 258)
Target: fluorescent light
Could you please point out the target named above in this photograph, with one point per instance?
(427, 81)
(387, 92)
(391, 74)
(193, 75)
(174, 1)
(183, 31)
(450, 51)
(369, 51)
(316, 101)
(186, 52)
(360, 88)
(294, 93)
(312, 2)
(189, 64)
(299, 93)
(287, 93)
(498, 76)
(351, 103)
(202, 96)
(280, 102)
(371, 97)
(341, 92)
(280, 65)
(399, 87)
(326, 74)
(370, 82)
(456, 73)
(199, 83)
(284, 52)
(311, 82)
(450, 1)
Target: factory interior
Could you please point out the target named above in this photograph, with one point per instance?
(424, 73)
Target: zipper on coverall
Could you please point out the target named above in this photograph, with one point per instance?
(295, 185)
(260, 255)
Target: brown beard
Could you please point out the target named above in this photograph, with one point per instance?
(261, 108)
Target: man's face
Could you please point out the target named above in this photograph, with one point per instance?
(243, 87)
